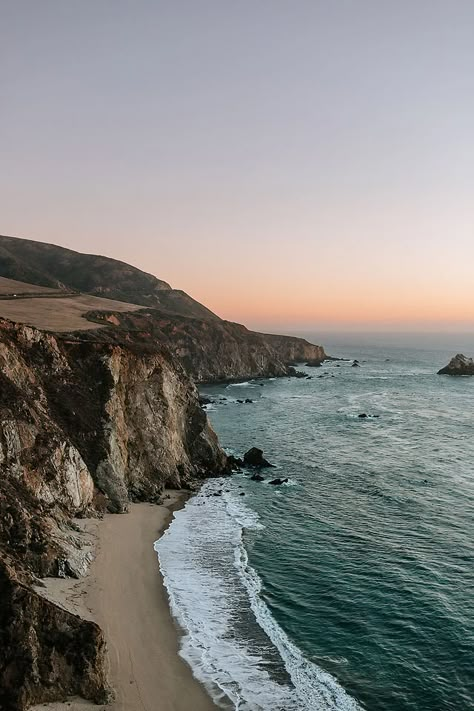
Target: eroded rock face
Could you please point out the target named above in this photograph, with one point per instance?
(459, 365)
(216, 350)
(79, 417)
(46, 653)
(84, 425)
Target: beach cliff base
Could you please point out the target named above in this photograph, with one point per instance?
(124, 594)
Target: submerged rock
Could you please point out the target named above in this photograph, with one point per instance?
(459, 365)
(254, 458)
(257, 477)
(293, 373)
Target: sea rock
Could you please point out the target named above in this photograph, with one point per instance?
(362, 415)
(254, 458)
(257, 477)
(314, 363)
(234, 462)
(248, 400)
(459, 365)
(278, 481)
(293, 373)
(355, 364)
(204, 401)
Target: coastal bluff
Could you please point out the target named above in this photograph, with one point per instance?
(210, 349)
(98, 408)
(458, 365)
(85, 427)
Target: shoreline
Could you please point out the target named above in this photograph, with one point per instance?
(124, 593)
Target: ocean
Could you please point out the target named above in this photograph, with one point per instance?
(351, 586)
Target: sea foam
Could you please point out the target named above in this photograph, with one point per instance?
(231, 640)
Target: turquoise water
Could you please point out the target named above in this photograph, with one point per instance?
(360, 571)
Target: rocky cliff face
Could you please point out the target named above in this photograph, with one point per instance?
(292, 349)
(84, 425)
(214, 350)
(46, 653)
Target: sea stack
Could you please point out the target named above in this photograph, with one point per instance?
(459, 365)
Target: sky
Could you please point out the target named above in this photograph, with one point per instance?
(290, 163)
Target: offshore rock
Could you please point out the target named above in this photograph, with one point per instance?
(459, 365)
(215, 350)
(254, 458)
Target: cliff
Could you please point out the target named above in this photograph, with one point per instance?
(84, 425)
(215, 350)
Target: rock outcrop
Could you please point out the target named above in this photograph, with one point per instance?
(292, 349)
(459, 365)
(254, 458)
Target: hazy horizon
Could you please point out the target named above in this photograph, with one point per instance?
(293, 166)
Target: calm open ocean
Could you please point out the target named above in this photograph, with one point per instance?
(352, 586)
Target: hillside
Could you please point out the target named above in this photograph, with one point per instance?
(208, 347)
(56, 267)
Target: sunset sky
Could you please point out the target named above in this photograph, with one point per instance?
(286, 162)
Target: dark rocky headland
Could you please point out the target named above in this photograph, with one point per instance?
(90, 420)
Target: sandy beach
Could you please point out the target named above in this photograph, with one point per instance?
(124, 594)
